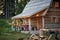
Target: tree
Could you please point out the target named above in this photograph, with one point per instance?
(1, 8)
(9, 8)
(20, 4)
(13, 7)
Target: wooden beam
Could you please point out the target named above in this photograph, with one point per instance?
(17, 22)
(53, 16)
(29, 24)
(41, 31)
(37, 23)
(12, 25)
(51, 19)
(43, 22)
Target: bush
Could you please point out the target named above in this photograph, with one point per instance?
(0, 30)
(4, 25)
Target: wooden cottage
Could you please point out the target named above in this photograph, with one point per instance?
(39, 14)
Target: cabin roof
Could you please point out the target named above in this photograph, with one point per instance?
(32, 7)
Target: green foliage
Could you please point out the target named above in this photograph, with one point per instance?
(20, 5)
(0, 30)
(14, 36)
(48, 34)
(12, 7)
(5, 25)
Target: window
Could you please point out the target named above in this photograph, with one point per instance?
(47, 20)
(55, 20)
(55, 4)
(52, 5)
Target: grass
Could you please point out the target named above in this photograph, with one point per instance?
(13, 36)
(6, 27)
(53, 36)
(16, 36)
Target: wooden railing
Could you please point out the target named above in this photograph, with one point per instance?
(52, 25)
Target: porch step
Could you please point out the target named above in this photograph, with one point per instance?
(31, 32)
(25, 32)
(34, 32)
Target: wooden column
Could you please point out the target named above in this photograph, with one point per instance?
(43, 22)
(51, 19)
(17, 25)
(29, 24)
(12, 24)
(25, 21)
(17, 22)
(37, 23)
(41, 30)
